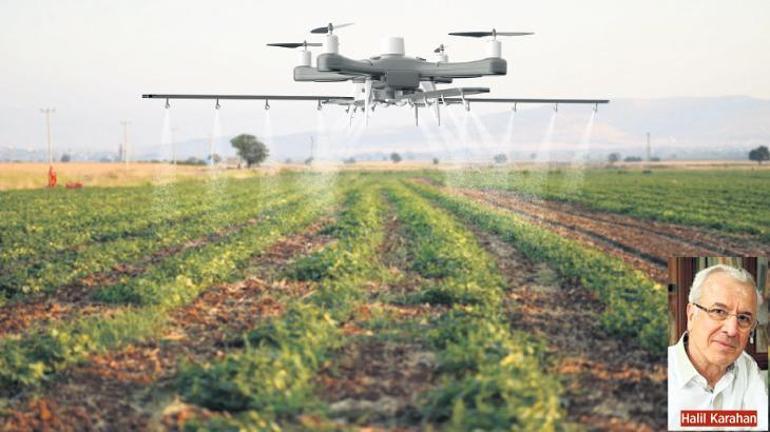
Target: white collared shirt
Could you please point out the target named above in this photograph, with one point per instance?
(740, 388)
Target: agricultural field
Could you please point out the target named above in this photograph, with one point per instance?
(476, 299)
(92, 174)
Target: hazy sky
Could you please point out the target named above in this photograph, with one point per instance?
(93, 59)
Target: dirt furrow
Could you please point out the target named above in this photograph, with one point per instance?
(718, 243)
(609, 384)
(644, 245)
(74, 299)
(374, 380)
(128, 389)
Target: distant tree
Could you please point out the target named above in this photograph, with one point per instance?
(500, 158)
(435, 161)
(288, 161)
(252, 150)
(395, 157)
(66, 157)
(632, 159)
(759, 154)
(309, 161)
(215, 157)
(192, 160)
(654, 159)
(349, 161)
(613, 157)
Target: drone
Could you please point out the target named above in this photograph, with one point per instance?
(392, 78)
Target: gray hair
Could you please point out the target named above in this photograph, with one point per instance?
(739, 274)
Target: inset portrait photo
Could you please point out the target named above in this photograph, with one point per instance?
(717, 354)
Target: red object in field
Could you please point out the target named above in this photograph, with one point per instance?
(51, 177)
(74, 185)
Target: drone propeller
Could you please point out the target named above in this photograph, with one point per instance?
(329, 28)
(294, 44)
(494, 33)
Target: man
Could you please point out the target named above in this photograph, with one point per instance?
(708, 368)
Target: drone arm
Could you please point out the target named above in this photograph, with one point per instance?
(307, 73)
(341, 64)
(471, 69)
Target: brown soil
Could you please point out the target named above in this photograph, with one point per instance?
(643, 244)
(74, 300)
(125, 389)
(373, 382)
(609, 384)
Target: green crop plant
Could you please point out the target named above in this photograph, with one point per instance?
(46, 260)
(635, 306)
(724, 200)
(271, 379)
(28, 359)
(444, 253)
(178, 278)
(347, 257)
(273, 374)
(489, 377)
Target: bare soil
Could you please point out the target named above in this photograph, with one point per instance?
(373, 382)
(74, 300)
(643, 244)
(127, 389)
(609, 384)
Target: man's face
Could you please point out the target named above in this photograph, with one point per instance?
(720, 342)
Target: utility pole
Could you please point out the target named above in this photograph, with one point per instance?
(48, 112)
(125, 141)
(649, 149)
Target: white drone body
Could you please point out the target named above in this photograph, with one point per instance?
(392, 78)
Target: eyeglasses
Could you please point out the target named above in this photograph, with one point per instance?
(745, 321)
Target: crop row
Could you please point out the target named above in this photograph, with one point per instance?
(34, 239)
(490, 376)
(634, 305)
(69, 209)
(171, 280)
(91, 214)
(272, 378)
(62, 269)
(29, 359)
(734, 201)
